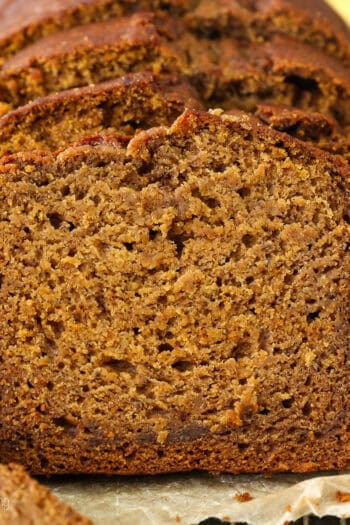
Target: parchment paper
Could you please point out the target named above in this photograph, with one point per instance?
(189, 499)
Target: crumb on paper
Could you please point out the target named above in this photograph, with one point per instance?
(178, 518)
(244, 497)
(226, 518)
(288, 508)
(342, 497)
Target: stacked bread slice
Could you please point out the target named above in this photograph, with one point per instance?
(174, 274)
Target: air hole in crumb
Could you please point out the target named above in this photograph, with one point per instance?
(136, 330)
(308, 381)
(55, 220)
(241, 349)
(67, 425)
(50, 386)
(44, 462)
(218, 281)
(346, 217)
(57, 327)
(307, 409)
(183, 366)
(119, 365)
(243, 381)
(179, 241)
(153, 234)
(65, 191)
(1, 279)
(288, 403)
(249, 280)
(248, 240)
(264, 412)
(277, 350)
(129, 246)
(165, 347)
(242, 446)
(60, 365)
(313, 316)
(243, 192)
(162, 299)
(26, 229)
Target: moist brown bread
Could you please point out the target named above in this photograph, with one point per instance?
(311, 21)
(126, 105)
(321, 130)
(180, 303)
(283, 71)
(25, 502)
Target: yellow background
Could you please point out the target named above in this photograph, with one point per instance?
(343, 6)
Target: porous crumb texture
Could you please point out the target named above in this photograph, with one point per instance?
(177, 303)
(227, 74)
(126, 105)
(25, 502)
(312, 21)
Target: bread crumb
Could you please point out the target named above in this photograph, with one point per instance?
(244, 497)
(178, 518)
(288, 508)
(343, 497)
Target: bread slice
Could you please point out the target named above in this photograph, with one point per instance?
(313, 22)
(281, 71)
(126, 105)
(23, 22)
(23, 501)
(180, 302)
(320, 130)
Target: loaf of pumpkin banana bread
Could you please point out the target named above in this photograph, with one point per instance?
(23, 501)
(125, 105)
(177, 302)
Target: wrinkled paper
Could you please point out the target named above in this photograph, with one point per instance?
(189, 499)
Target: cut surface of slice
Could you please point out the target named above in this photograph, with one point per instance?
(180, 302)
(126, 105)
(25, 502)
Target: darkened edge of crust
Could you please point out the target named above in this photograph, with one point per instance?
(173, 88)
(191, 121)
(138, 28)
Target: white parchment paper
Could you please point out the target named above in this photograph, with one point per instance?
(189, 499)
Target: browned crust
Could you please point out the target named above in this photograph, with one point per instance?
(25, 501)
(159, 97)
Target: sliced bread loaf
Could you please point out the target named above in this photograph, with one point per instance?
(281, 71)
(177, 303)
